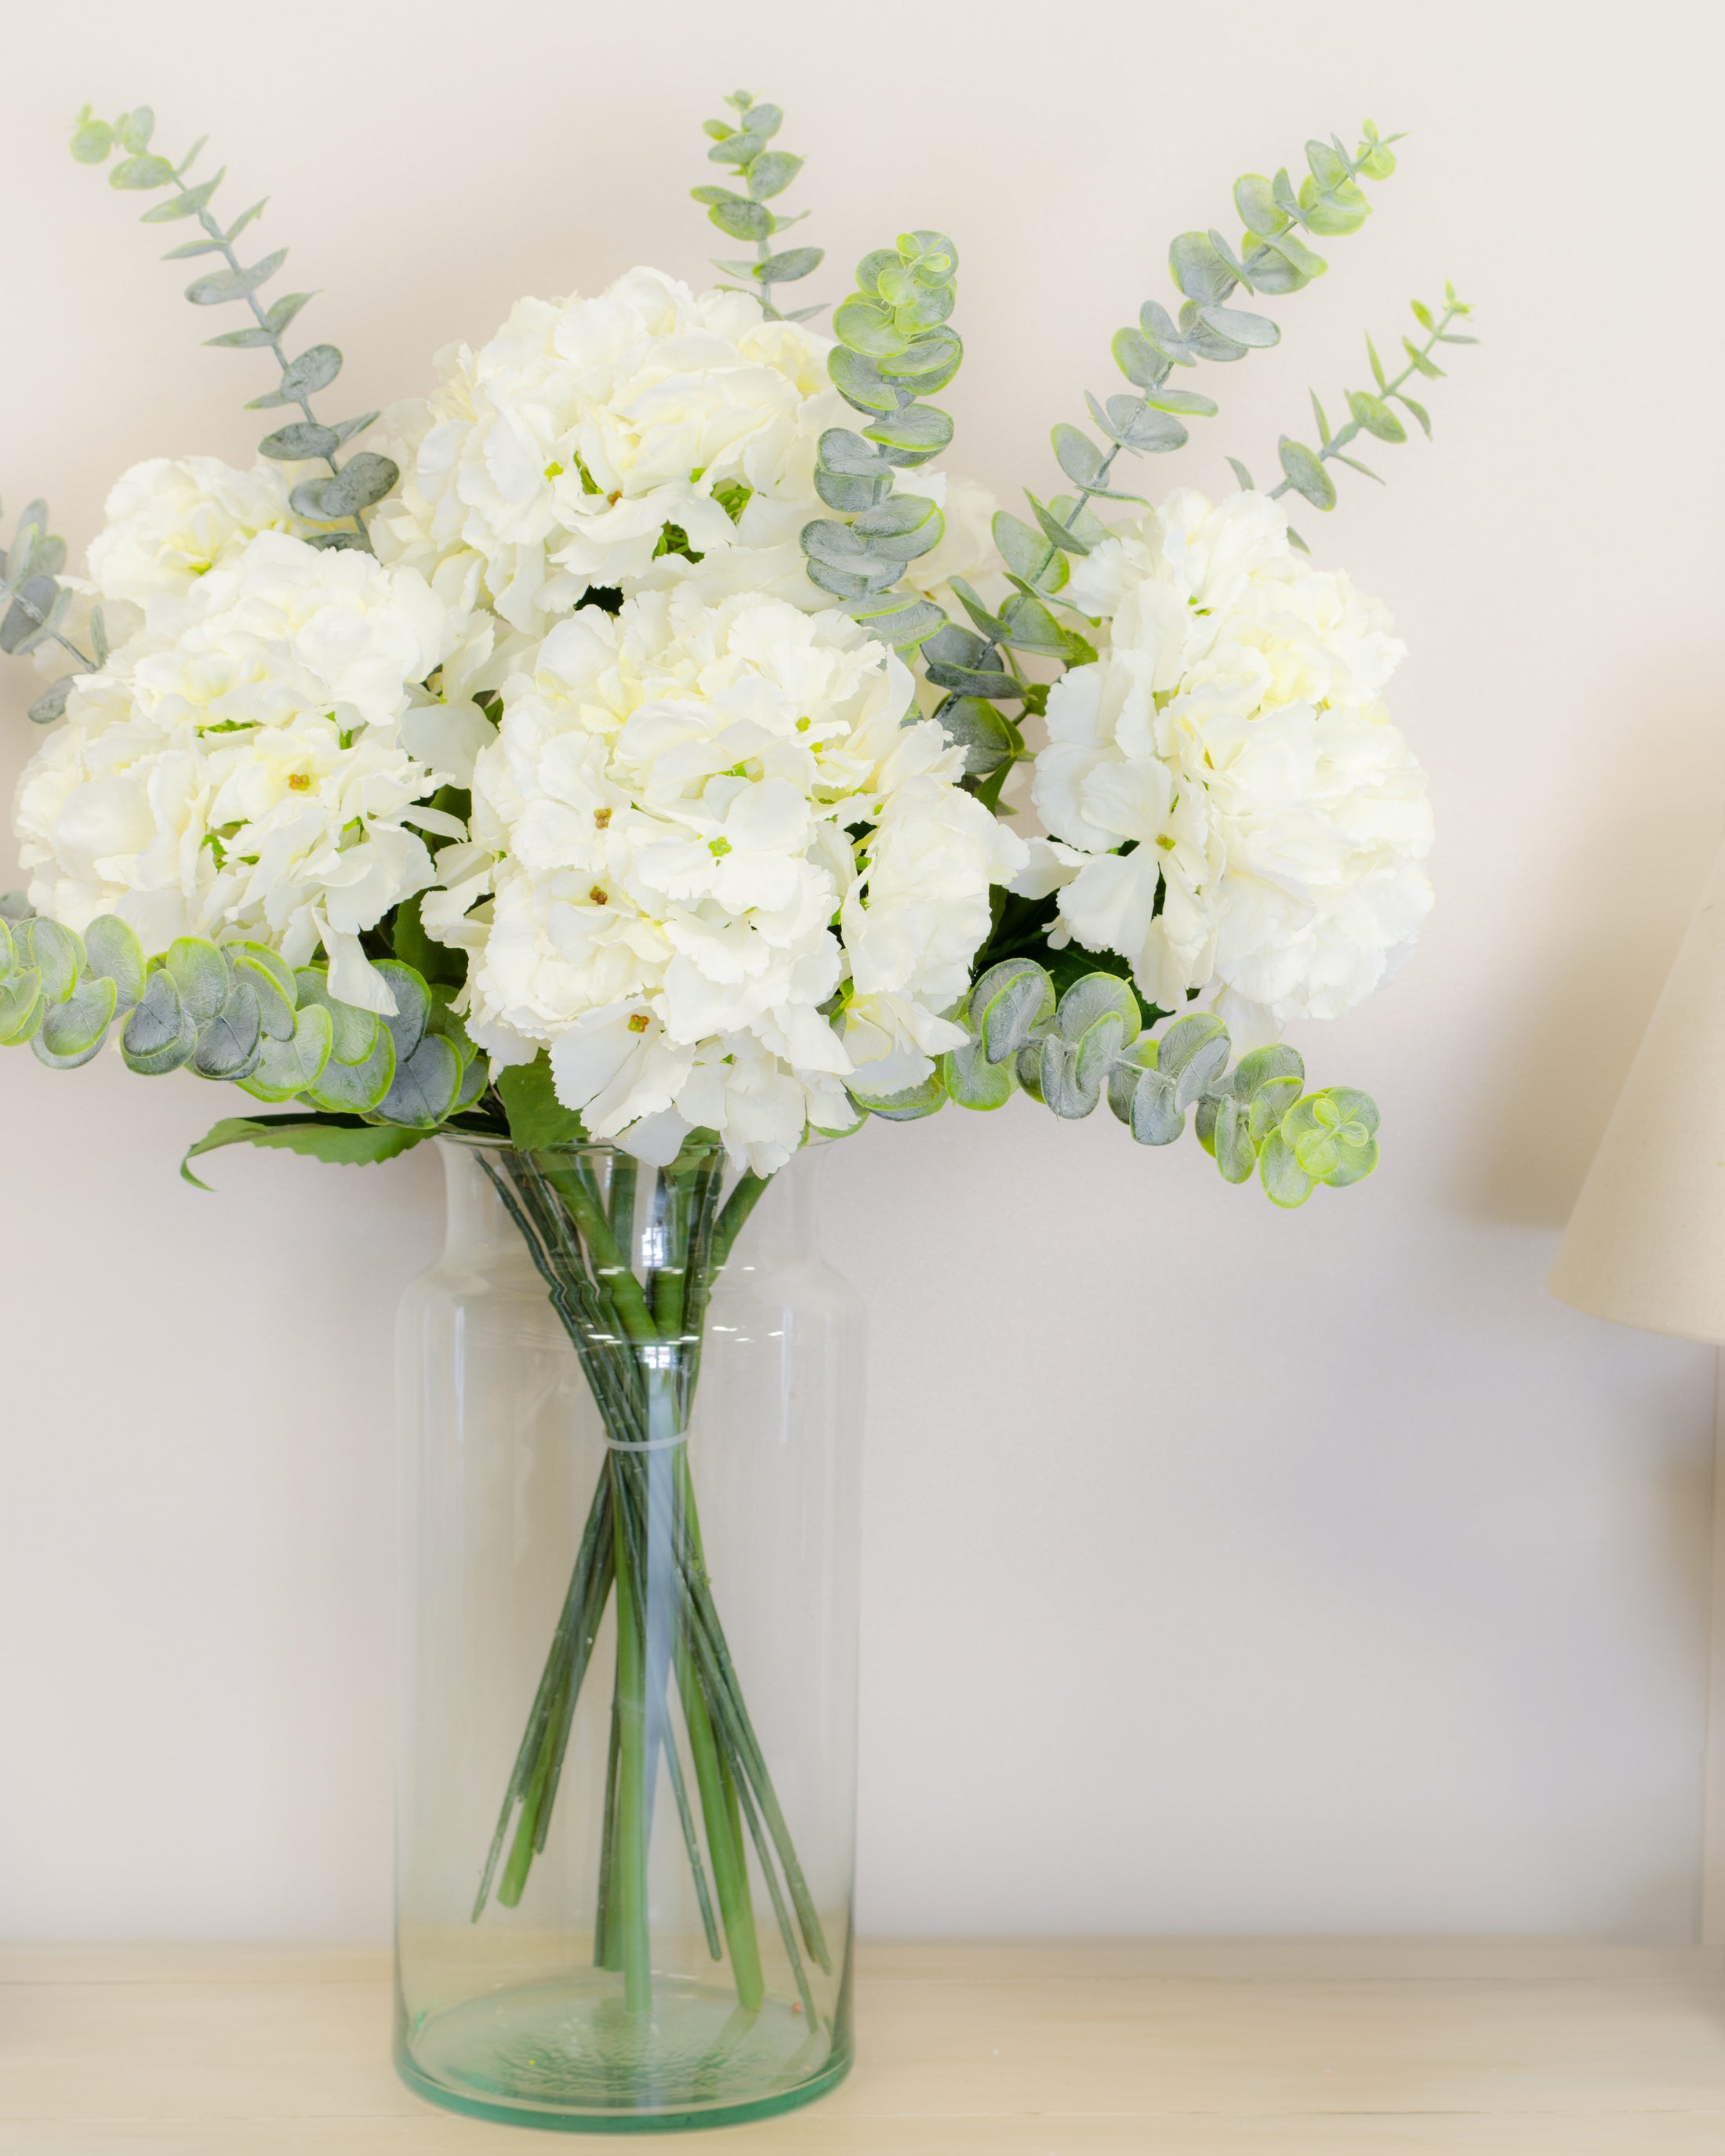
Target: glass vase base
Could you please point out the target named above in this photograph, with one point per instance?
(567, 2055)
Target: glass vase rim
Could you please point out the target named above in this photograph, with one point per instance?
(813, 1142)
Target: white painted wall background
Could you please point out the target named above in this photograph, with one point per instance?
(1225, 1570)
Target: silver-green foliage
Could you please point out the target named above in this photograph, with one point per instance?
(765, 173)
(895, 346)
(235, 1012)
(33, 604)
(351, 487)
(1273, 257)
(1370, 410)
(1071, 1050)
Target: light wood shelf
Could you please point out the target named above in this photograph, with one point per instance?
(1092, 2047)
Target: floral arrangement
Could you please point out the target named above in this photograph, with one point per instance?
(642, 740)
(629, 744)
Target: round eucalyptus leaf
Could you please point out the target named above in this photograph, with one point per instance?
(72, 1032)
(115, 952)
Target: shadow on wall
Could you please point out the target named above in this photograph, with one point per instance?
(1634, 874)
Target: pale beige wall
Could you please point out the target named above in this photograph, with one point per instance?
(1225, 1570)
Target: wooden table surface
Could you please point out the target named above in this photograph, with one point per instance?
(1090, 2047)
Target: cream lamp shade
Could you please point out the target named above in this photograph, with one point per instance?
(1645, 1245)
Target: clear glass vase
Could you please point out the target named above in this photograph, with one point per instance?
(631, 1403)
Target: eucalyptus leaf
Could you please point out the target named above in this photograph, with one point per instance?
(785, 269)
(72, 1032)
(303, 438)
(52, 702)
(973, 1082)
(1305, 475)
(235, 284)
(160, 1034)
(114, 954)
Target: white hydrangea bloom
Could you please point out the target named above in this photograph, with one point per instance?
(240, 769)
(1233, 730)
(714, 874)
(172, 519)
(554, 456)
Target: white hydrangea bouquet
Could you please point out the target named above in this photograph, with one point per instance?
(633, 745)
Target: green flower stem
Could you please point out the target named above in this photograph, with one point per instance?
(639, 1346)
(1338, 443)
(629, 1884)
(605, 1949)
(724, 1840)
(589, 1585)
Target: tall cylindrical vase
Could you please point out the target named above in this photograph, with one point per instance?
(631, 1401)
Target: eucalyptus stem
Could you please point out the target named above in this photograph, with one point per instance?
(1333, 445)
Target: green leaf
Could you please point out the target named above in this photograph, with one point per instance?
(356, 1088)
(23, 1007)
(740, 219)
(1199, 271)
(1225, 1136)
(266, 332)
(1421, 361)
(161, 1034)
(1375, 416)
(1285, 1182)
(1010, 1007)
(538, 1119)
(114, 954)
(1138, 423)
(1156, 1118)
(72, 1032)
(295, 443)
(1093, 996)
(1256, 333)
(865, 326)
(423, 1090)
(1260, 213)
(924, 429)
(234, 283)
(36, 605)
(355, 1030)
(1305, 475)
(1419, 411)
(1247, 485)
(900, 622)
(1031, 627)
(56, 953)
(973, 1082)
(263, 971)
(1192, 1052)
(1079, 458)
(141, 172)
(200, 974)
(51, 704)
(135, 130)
(362, 480)
(187, 204)
(1030, 555)
(979, 730)
(315, 369)
(287, 1068)
(344, 1141)
(91, 141)
(909, 1106)
(230, 1044)
(1140, 361)
(772, 172)
(860, 381)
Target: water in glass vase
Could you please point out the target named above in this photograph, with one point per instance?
(631, 1401)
